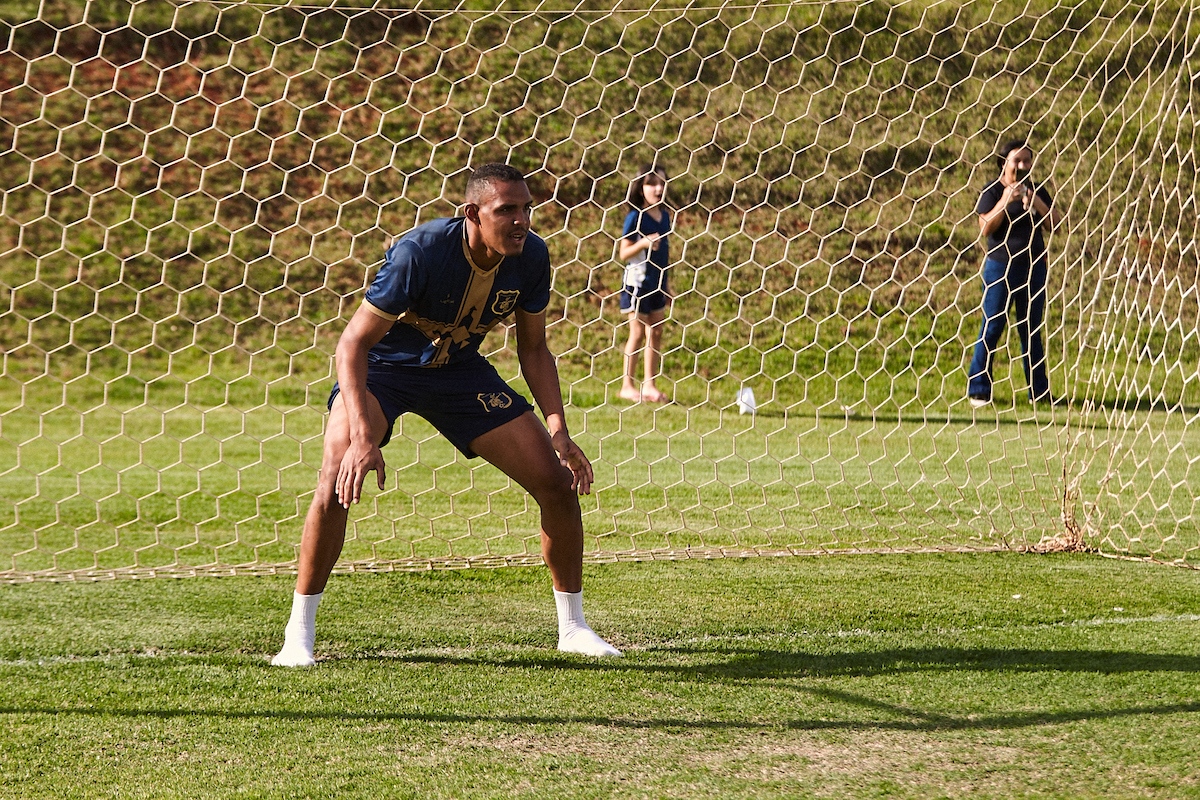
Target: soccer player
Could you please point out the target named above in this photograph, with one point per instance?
(413, 345)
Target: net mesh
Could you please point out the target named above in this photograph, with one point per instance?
(195, 195)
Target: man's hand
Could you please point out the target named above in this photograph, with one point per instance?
(572, 457)
(360, 458)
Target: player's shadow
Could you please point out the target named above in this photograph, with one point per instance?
(910, 718)
(723, 665)
(733, 669)
(800, 673)
(900, 717)
(752, 664)
(783, 671)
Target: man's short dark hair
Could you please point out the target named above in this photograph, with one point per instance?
(488, 174)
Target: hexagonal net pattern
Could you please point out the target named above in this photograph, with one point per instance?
(196, 194)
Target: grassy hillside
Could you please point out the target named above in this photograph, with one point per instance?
(207, 187)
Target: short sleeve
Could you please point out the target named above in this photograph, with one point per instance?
(1044, 193)
(631, 227)
(988, 200)
(399, 280)
(536, 295)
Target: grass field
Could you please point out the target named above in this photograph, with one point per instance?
(673, 478)
(861, 676)
(114, 489)
(193, 197)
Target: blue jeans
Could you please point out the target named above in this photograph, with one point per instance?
(1026, 292)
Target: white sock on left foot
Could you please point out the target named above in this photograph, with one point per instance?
(574, 634)
(300, 633)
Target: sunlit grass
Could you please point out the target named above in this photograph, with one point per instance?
(990, 676)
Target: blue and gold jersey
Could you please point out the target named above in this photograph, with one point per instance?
(442, 303)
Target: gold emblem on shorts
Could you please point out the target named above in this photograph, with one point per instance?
(492, 400)
(505, 302)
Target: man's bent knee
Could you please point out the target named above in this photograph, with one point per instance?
(555, 492)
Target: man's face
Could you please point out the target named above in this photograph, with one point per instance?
(504, 210)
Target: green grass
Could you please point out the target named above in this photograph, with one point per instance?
(169, 302)
(867, 676)
(116, 489)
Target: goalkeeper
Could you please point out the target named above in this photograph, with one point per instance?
(413, 345)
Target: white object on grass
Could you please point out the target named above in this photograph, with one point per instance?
(745, 401)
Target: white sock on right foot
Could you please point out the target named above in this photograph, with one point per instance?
(300, 632)
(574, 634)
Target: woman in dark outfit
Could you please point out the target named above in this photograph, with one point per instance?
(1013, 212)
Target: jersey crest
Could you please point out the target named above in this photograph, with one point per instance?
(492, 400)
(505, 302)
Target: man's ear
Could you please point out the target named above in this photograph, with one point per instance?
(471, 212)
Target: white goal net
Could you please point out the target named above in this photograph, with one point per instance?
(195, 195)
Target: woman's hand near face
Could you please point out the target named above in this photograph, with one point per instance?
(1012, 193)
(1026, 196)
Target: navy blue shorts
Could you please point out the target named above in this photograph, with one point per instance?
(462, 400)
(643, 303)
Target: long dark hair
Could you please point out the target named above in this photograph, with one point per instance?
(636, 199)
(1008, 147)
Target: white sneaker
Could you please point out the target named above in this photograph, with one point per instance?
(585, 641)
(979, 401)
(293, 656)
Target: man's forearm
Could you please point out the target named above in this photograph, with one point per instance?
(541, 373)
(351, 363)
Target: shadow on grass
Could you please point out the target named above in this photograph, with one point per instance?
(1146, 404)
(913, 719)
(903, 718)
(727, 665)
(752, 664)
(1002, 415)
(1017, 412)
(743, 668)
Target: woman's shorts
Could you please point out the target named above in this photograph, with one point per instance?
(463, 401)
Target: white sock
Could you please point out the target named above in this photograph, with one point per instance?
(300, 632)
(570, 610)
(574, 634)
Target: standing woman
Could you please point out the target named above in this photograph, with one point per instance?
(645, 295)
(1013, 211)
